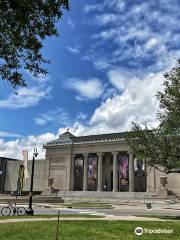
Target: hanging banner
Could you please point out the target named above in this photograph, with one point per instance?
(78, 164)
(92, 170)
(124, 170)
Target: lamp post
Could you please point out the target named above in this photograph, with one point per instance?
(30, 211)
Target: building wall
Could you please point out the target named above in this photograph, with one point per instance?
(11, 177)
(154, 185)
(59, 161)
(2, 173)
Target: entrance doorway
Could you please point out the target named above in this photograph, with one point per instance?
(140, 176)
(78, 174)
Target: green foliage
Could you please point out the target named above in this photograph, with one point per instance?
(170, 101)
(24, 25)
(161, 146)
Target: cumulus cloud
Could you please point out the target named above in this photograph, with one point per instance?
(13, 149)
(119, 78)
(87, 89)
(137, 102)
(57, 116)
(26, 97)
(134, 100)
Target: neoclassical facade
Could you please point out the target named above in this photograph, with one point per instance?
(93, 163)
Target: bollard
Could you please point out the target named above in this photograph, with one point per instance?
(149, 206)
(57, 230)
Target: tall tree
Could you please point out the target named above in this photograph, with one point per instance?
(24, 24)
(161, 146)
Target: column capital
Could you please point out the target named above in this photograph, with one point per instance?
(85, 155)
(115, 153)
(130, 151)
(100, 153)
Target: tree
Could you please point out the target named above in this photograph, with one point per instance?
(24, 24)
(161, 146)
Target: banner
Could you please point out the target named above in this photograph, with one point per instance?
(124, 170)
(92, 170)
(78, 164)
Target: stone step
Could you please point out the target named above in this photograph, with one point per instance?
(93, 194)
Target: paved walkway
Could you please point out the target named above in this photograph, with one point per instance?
(110, 218)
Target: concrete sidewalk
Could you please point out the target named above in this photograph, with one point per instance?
(155, 206)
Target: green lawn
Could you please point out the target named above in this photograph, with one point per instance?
(90, 230)
(160, 217)
(52, 216)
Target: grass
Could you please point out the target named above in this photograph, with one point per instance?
(86, 230)
(88, 205)
(52, 216)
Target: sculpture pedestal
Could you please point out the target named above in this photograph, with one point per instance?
(163, 193)
(47, 192)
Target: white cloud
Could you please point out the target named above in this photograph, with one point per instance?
(87, 89)
(119, 78)
(139, 35)
(152, 42)
(106, 18)
(53, 116)
(74, 51)
(135, 101)
(13, 149)
(9, 134)
(88, 8)
(81, 116)
(26, 97)
(118, 5)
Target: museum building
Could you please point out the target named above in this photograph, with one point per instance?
(90, 166)
(97, 163)
(102, 165)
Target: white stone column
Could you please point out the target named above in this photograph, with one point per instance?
(131, 172)
(115, 172)
(85, 174)
(99, 188)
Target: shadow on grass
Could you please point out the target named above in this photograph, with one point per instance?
(161, 217)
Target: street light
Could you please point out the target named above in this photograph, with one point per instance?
(30, 211)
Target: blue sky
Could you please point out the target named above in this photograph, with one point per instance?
(106, 67)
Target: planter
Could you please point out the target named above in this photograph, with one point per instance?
(163, 181)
